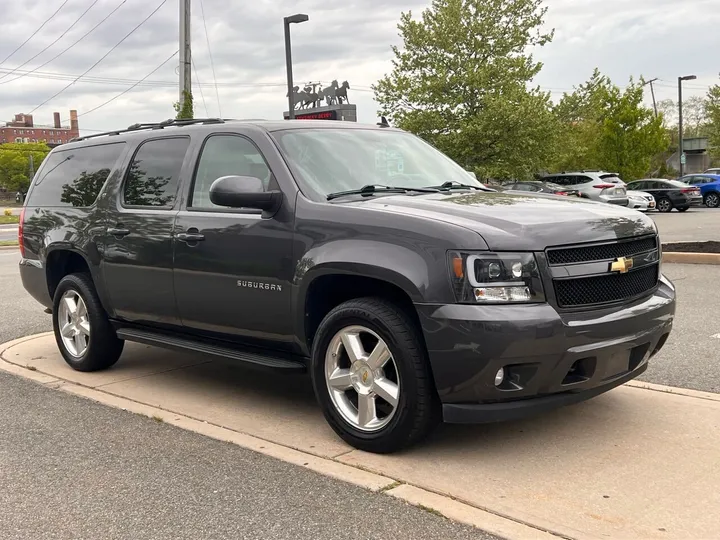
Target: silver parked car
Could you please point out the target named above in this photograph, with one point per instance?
(640, 200)
(598, 186)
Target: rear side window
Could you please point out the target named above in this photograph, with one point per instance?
(74, 177)
(154, 174)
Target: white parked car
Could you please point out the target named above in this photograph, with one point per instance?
(639, 200)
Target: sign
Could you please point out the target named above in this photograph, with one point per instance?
(323, 115)
(682, 158)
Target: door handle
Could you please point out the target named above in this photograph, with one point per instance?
(190, 236)
(118, 231)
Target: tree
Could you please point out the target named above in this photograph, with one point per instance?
(712, 111)
(694, 115)
(15, 170)
(604, 127)
(184, 111)
(460, 81)
(629, 133)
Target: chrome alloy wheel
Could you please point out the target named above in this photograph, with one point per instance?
(74, 324)
(364, 386)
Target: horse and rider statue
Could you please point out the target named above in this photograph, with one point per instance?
(311, 96)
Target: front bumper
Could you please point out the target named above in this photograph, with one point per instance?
(550, 358)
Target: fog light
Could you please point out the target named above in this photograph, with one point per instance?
(499, 377)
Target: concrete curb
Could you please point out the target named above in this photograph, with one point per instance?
(450, 508)
(691, 258)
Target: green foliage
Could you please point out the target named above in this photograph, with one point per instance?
(15, 168)
(460, 82)
(607, 128)
(184, 111)
(84, 189)
(712, 112)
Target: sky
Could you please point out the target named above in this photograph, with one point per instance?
(348, 40)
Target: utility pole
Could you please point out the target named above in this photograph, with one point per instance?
(681, 149)
(652, 91)
(32, 167)
(185, 54)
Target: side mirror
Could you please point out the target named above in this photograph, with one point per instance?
(244, 192)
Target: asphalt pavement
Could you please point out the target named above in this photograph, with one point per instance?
(20, 315)
(8, 232)
(696, 225)
(72, 468)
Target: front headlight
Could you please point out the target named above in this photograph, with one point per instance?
(495, 278)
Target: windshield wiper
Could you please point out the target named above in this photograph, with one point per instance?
(371, 189)
(447, 186)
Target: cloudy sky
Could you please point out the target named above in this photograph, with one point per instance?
(347, 40)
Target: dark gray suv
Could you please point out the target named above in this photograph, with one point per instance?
(411, 293)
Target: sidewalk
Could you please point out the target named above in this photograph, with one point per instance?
(633, 463)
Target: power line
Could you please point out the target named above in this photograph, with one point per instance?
(128, 89)
(199, 86)
(104, 56)
(26, 62)
(212, 64)
(68, 48)
(34, 33)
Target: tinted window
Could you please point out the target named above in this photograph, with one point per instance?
(578, 180)
(560, 180)
(74, 177)
(154, 174)
(637, 186)
(225, 155)
(674, 183)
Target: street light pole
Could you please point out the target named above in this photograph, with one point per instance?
(293, 19)
(681, 150)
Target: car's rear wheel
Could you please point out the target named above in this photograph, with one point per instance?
(664, 205)
(83, 332)
(712, 200)
(372, 378)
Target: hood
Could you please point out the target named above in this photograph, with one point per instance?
(509, 221)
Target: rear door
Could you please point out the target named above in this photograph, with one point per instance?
(137, 258)
(233, 276)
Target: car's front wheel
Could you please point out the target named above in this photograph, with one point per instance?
(83, 332)
(712, 200)
(372, 378)
(664, 205)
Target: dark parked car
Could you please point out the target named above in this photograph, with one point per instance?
(709, 185)
(410, 292)
(669, 194)
(540, 187)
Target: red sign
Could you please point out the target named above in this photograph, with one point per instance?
(325, 115)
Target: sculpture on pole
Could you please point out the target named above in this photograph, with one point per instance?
(313, 95)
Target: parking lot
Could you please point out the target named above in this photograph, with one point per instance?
(696, 225)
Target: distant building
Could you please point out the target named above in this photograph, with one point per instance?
(24, 130)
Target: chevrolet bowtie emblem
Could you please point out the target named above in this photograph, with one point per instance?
(365, 377)
(621, 265)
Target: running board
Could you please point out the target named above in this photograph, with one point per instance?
(184, 344)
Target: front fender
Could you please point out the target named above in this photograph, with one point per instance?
(421, 274)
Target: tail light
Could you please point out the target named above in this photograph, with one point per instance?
(690, 190)
(560, 193)
(21, 236)
(604, 186)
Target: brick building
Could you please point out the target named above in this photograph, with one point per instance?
(24, 130)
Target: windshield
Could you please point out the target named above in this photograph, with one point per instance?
(334, 160)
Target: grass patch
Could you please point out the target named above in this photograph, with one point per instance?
(9, 220)
(6, 243)
(158, 419)
(390, 486)
(431, 511)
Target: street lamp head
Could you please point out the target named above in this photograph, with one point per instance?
(688, 78)
(297, 18)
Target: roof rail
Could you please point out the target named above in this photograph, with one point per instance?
(156, 125)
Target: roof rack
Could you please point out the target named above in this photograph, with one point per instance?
(156, 125)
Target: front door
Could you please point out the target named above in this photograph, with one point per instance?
(137, 258)
(233, 267)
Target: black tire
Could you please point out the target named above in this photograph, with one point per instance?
(103, 346)
(683, 209)
(664, 205)
(712, 199)
(418, 409)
